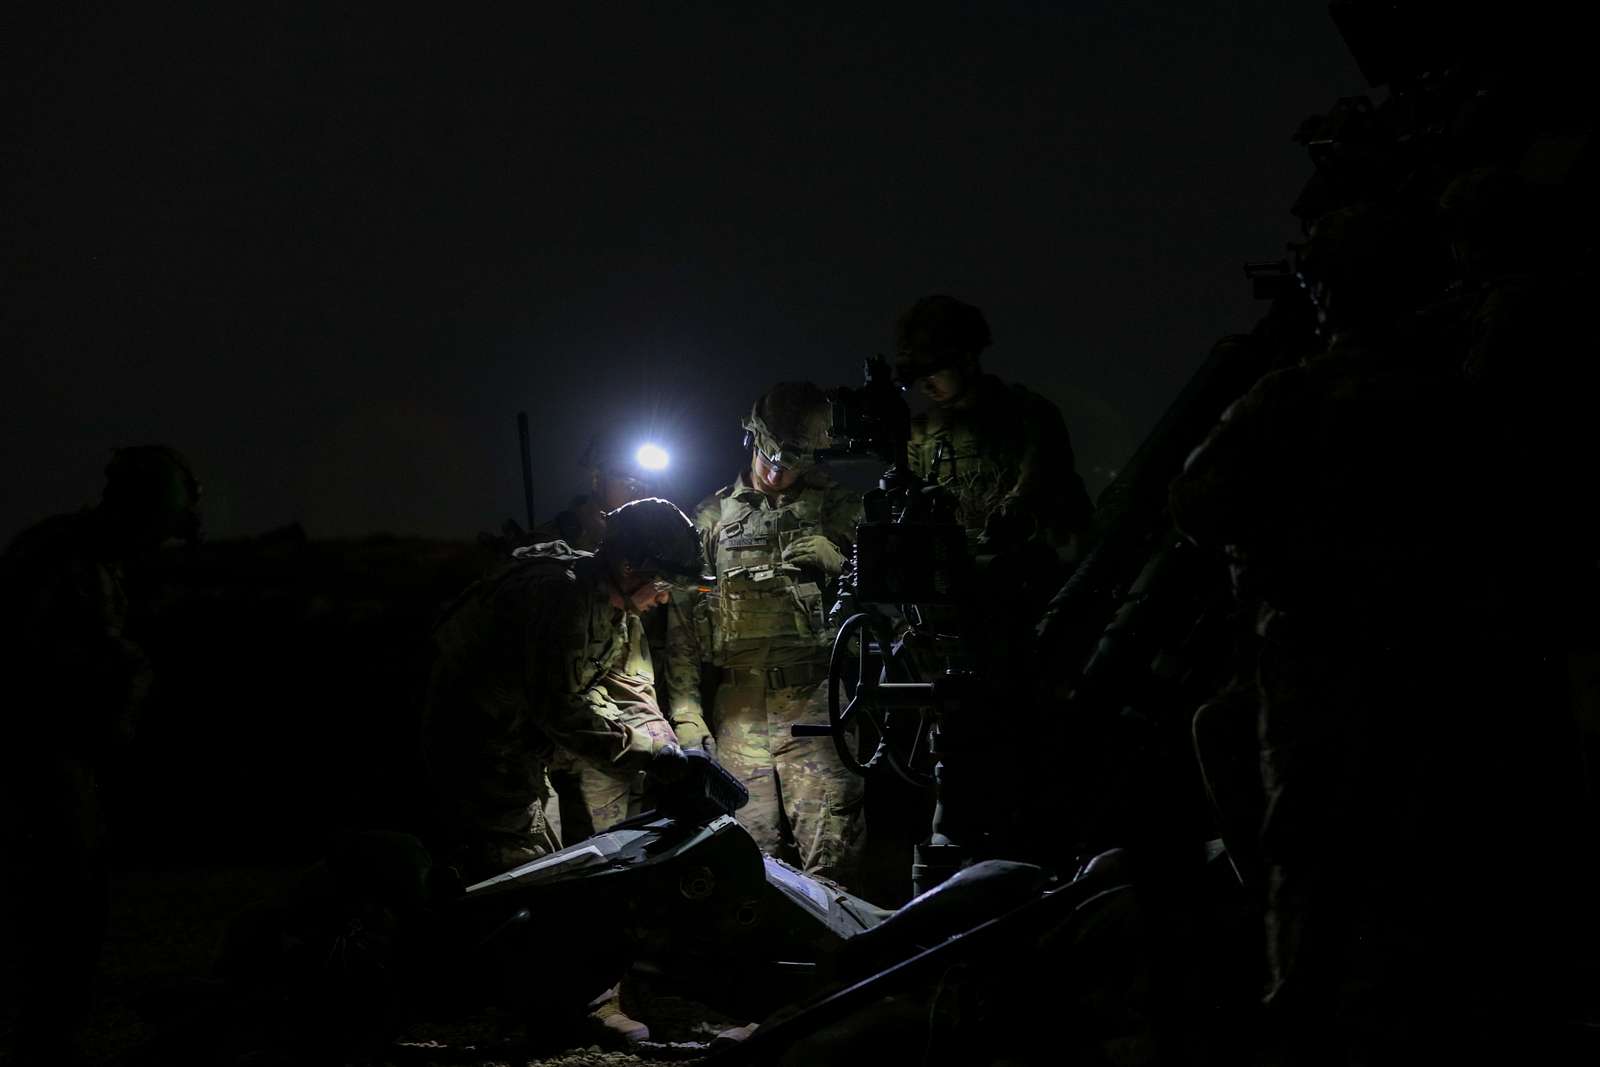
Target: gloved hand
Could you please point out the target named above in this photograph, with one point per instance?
(814, 550)
(691, 736)
(669, 764)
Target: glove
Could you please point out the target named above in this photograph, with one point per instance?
(691, 737)
(814, 550)
(669, 764)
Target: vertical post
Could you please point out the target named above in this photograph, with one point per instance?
(527, 465)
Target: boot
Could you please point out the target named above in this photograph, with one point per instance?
(606, 1015)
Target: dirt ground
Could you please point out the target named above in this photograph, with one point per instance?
(167, 924)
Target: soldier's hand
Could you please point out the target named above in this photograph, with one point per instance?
(669, 764)
(815, 550)
(692, 737)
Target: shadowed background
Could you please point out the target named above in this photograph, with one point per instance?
(329, 255)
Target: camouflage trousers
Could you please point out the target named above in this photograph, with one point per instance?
(804, 806)
(588, 800)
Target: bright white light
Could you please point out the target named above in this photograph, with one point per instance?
(652, 457)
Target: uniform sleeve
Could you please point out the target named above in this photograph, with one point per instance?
(1048, 484)
(577, 709)
(684, 657)
(841, 512)
(629, 685)
(684, 652)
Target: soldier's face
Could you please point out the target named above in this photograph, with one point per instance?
(945, 386)
(641, 590)
(767, 477)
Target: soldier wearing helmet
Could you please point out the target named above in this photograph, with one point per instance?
(615, 477)
(75, 686)
(1002, 451)
(544, 661)
(776, 538)
(544, 664)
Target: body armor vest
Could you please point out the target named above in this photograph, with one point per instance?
(978, 468)
(763, 605)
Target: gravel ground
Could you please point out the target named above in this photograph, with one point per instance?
(166, 926)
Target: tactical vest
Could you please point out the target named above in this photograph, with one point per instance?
(760, 601)
(978, 469)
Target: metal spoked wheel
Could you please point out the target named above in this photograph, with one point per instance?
(862, 660)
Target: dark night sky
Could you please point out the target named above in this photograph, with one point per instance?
(330, 255)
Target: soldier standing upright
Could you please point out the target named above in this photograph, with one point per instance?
(1002, 451)
(75, 687)
(776, 538)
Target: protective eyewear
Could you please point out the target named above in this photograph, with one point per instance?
(782, 459)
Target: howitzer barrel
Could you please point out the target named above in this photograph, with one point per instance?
(1129, 510)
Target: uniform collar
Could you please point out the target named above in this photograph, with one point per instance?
(743, 491)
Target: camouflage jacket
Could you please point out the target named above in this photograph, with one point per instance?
(532, 657)
(762, 612)
(75, 681)
(1008, 452)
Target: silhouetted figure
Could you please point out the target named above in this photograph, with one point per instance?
(75, 684)
(1355, 499)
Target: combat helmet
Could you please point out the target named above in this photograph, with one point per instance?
(654, 535)
(788, 425)
(613, 456)
(152, 494)
(935, 333)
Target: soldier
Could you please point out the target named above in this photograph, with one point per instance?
(615, 477)
(1002, 451)
(76, 686)
(544, 661)
(1353, 499)
(776, 538)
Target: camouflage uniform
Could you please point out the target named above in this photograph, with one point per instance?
(536, 666)
(75, 685)
(1007, 454)
(582, 525)
(764, 629)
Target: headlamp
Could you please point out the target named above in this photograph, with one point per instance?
(652, 457)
